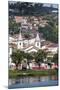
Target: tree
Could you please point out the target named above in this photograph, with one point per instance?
(29, 57)
(13, 26)
(55, 58)
(17, 57)
(50, 31)
(40, 56)
(49, 59)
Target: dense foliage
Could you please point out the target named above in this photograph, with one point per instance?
(13, 26)
(50, 32)
(19, 56)
(40, 56)
(55, 58)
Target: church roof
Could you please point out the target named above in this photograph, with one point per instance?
(30, 48)
(33, 48)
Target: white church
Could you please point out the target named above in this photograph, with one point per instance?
(28, 46)
(32, 45)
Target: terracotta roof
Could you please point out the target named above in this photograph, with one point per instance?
(45, 43)
(52, 45)
(12, 45)
(28, 46)
(49, 44)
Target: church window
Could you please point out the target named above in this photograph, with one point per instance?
(20, 43)
(37, 44)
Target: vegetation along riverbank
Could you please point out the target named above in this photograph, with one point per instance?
(17, 73)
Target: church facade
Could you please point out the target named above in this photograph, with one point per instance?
(32, 45)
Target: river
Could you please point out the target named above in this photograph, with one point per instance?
(30, 81)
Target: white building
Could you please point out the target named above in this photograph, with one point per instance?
(32, 45)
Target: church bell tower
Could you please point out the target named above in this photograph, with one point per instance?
(20, 41)
(37, 41)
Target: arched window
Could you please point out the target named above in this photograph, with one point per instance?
(20, 43)
(37, 44)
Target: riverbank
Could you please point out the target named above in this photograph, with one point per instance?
(19, 73)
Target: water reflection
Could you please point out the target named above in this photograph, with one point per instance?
(28, 80)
